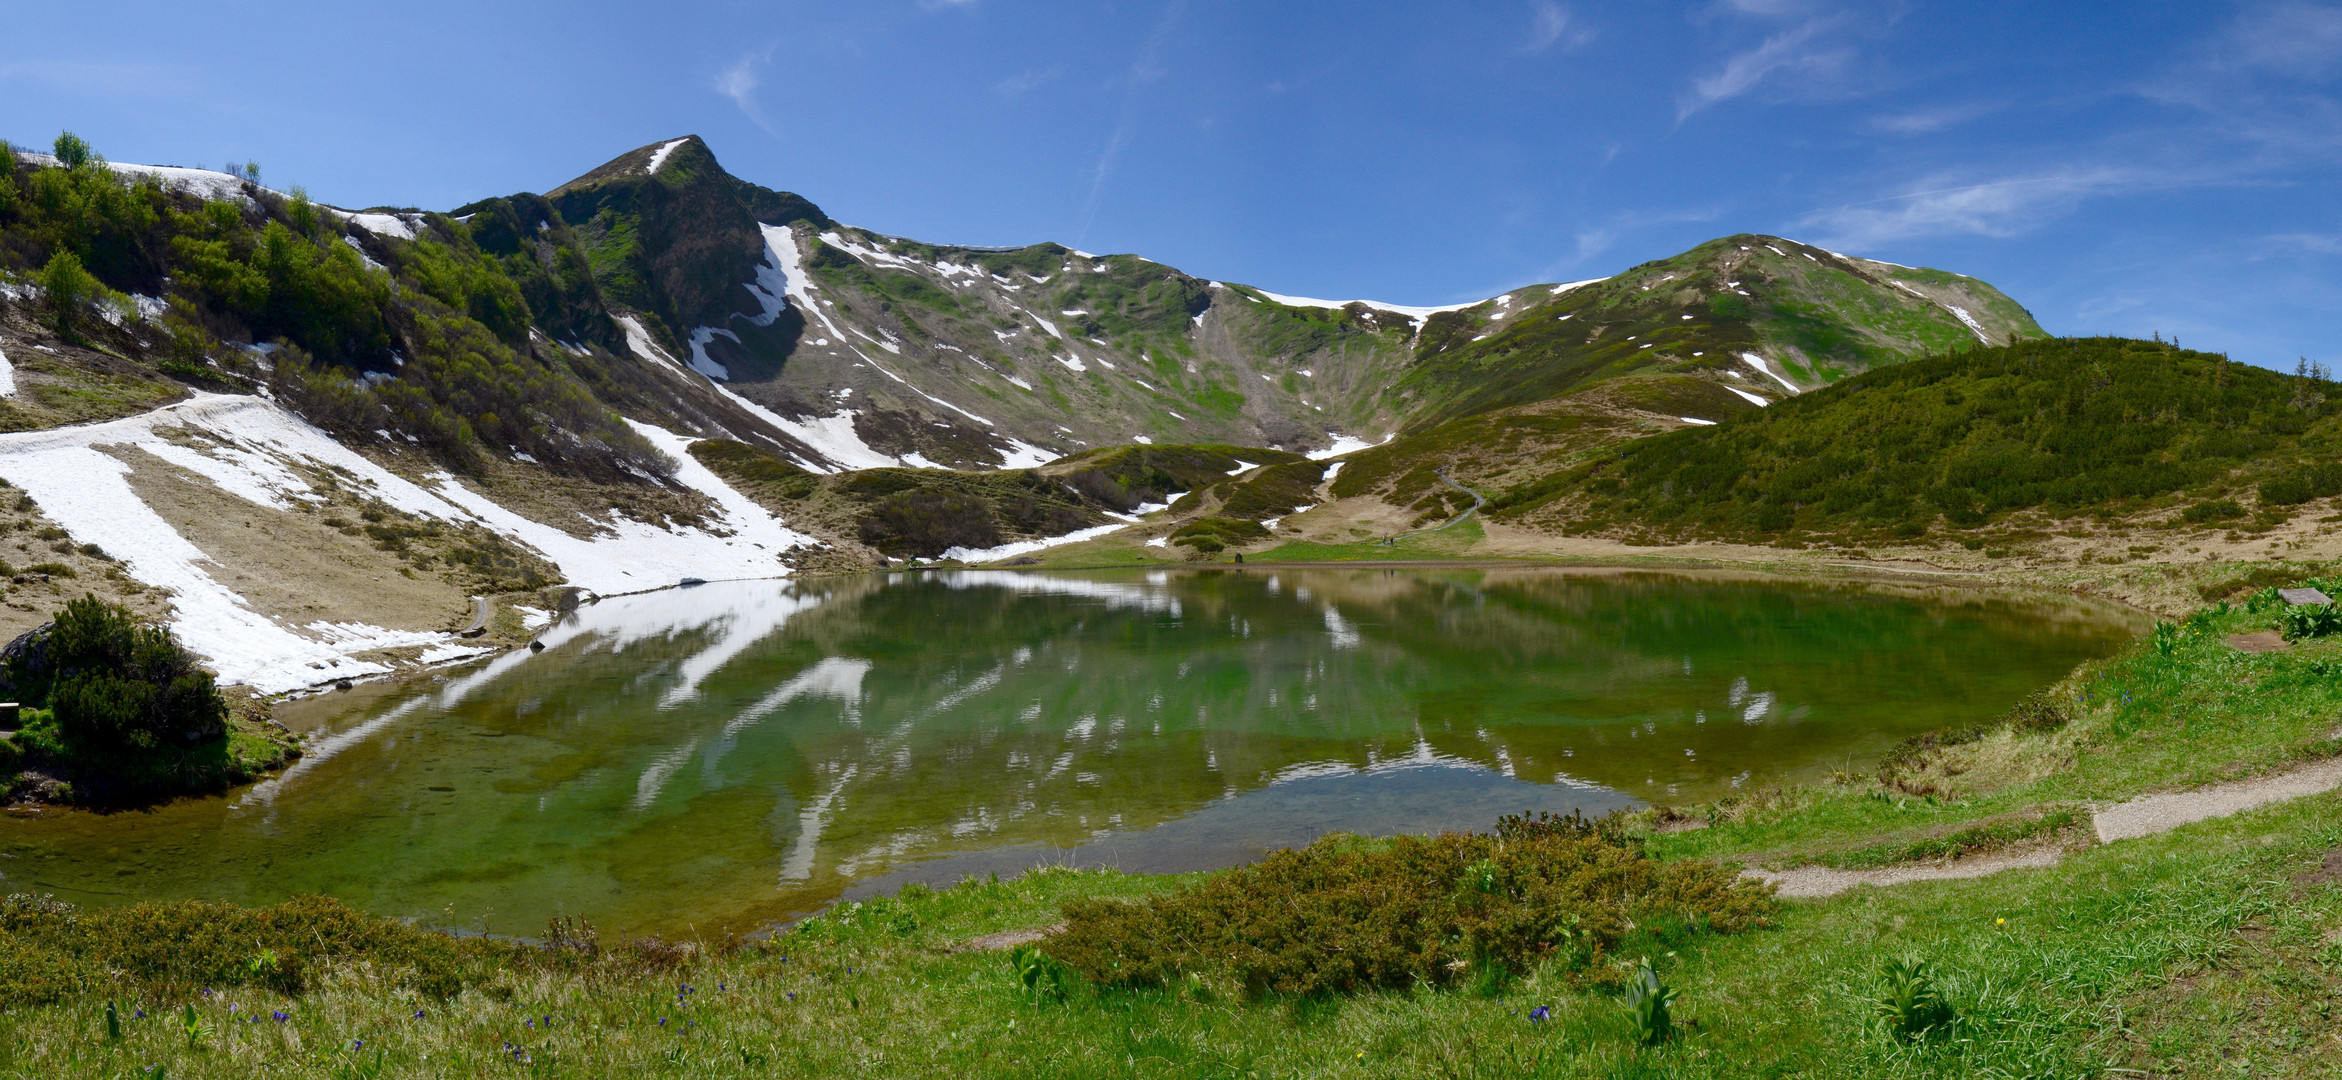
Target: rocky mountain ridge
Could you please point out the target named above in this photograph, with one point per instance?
(325, 442)
(896, 351)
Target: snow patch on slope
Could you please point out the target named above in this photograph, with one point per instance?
(87, 492)
(256, 445)
(201, 183)
(1758, 362)
(1345, 444)
(659, 156)
(832, 436)
(1024, 455)
(701, 362)
(1750, 398)
(1961, 314)
(386, 224)
(1026, 547)
(7, 377)
(1401, 309)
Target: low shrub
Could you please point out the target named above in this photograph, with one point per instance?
(2302, 485)
(114, 685)
(1213, 534)
(927, 523)
(1347, 914)
(50, 949)
(2212, 510)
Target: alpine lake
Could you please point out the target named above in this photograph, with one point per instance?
(728, 757)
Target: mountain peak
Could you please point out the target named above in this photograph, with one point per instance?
(676, 158)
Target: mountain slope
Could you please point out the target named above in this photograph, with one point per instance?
(914, 353)
(2109, 428)
(1763, 316)
(315, 435)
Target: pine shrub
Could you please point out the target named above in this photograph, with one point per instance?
(1347, 914)
(116, 686)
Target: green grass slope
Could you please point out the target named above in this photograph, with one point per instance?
(1814, 316)
(2103, 426)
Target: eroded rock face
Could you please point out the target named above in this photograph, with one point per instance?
(24, 663)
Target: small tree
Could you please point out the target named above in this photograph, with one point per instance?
(69, 288)
(72, 150)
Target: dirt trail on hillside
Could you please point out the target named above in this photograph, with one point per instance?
(1819, 881)
(2146, 815)
(2151, 814)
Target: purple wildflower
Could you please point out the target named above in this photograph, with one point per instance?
(1540, 1014)
(279, 1016)
(662, 1021)
(356, 1043)
(418, 1014)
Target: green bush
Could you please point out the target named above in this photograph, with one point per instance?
(2302, 485)
(1346, 914)
(68, 288)
(926, 523)
(1209, 535)
(48, 948)
(2212, 510)
(116, 686)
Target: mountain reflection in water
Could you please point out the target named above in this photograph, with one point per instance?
(729, 756)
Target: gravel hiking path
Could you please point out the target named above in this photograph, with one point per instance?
(2151, 814)
(1810, 882)
(2142, 816)
(1007, 939)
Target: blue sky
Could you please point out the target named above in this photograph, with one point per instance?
(2125, 168)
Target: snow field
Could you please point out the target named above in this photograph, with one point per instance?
(85, 488)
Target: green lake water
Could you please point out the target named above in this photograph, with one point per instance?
(730, 756)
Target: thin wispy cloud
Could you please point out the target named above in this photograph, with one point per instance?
(2301, 244)
(1594, 239)
(2298, 40)
(739, 83)
(1996, 208)
(1144, 70)
(1551, 24)
(1929, 121)
(1025, 82)
(1801, 48)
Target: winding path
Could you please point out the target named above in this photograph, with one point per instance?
(2145, 815)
